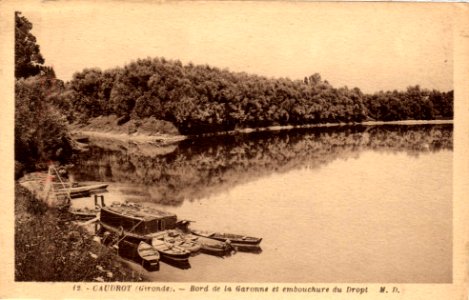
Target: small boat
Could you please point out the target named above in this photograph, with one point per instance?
(211, 246)
(84, 213)
(125, 249)
(142, 253)
(55, 189)
(135, 222)
(149, 255)
(80, 189)
(179, 239)
(169, 252)
(233, 238)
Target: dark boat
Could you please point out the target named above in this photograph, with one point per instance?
(134, 223)
(142, 253)
(84, 213)
(76, 188)
(233, 238)
(211, 246)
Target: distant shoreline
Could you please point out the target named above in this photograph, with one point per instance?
(165, 139)
(409, 122)
(137, 138)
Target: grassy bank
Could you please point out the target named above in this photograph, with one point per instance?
(140, 131)
(50, 247)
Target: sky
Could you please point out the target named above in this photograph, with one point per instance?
(373, 46)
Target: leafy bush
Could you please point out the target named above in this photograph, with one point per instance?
(40, 130)
(49, 247)
(146, 126)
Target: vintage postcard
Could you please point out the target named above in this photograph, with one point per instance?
(232, 149)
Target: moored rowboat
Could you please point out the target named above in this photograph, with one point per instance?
(194, 243)
(211, 246)
(170, 252)
(82, 189)
(149, 255)
(177, 238)
(142, 253)
(233, 238)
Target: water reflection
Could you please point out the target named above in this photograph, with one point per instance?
(200, 167)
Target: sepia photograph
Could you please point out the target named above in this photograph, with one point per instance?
(282, 148)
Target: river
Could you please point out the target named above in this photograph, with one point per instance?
(344, 204)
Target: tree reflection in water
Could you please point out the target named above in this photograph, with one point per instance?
(199, 167)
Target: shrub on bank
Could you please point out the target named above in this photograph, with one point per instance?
(49, 247)
(113, 124)
(40, 130)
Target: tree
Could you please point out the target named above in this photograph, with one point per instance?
(315, 79)
(40, 130)
(28, 58)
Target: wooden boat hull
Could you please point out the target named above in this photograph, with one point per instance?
(84, 212)
(233, 238)
(205, 245)
(177, 238)
(251, 242)
(138, 253)
(213, 247)
(256, 249)
(83, 189)
(170, 252)
(192, 247)
(149, 256)
(213, 251)
(135, 224)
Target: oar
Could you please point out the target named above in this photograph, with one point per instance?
(95, 219)
(87, 222)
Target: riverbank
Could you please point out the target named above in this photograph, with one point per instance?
(149, 130)
(141, 137)
(163, 139)
(50, 246)
(367, 123)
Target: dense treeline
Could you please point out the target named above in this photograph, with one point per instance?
(196, 99)
(40, 129)
(199, 99)
(415, 104)
(199, 167)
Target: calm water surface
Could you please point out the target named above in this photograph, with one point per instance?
(369, 204)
